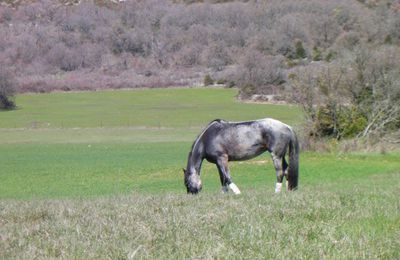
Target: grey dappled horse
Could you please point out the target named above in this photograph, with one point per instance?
(222, 141)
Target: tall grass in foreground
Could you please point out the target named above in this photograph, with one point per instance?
(359, 221)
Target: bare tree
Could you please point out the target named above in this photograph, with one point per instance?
(258, 74)
(360, 97)
(321, 93)
(378, 87)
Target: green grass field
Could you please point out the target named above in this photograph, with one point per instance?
(98, 175)
(110, 142)
(148, 107)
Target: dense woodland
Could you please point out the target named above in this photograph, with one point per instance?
(338, 58)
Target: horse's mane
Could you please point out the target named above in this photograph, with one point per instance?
(202, 132)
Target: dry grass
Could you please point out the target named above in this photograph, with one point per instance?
(358, 221)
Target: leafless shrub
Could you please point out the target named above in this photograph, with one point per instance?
(258, 73)
(324, 27)
(64, 58)
(7, 89)
(216, 56)
(394, 25)
(289, 29)
(359, 98)
(34, 84)
(91, 55)
(131, 41)
(189, 56)
(6, 14)
(377, 87)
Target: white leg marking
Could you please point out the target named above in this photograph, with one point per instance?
(278, 187)
(287, 185)
(234, 188)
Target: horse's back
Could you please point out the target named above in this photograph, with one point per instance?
(275, 124)
(238, 140)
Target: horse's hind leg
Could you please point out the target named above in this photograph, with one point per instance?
(279, 168)
(285, 166)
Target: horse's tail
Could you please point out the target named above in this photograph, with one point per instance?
(293, 171)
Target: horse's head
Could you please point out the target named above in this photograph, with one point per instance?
(192, 181)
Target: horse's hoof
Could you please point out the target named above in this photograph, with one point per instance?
(234, 188)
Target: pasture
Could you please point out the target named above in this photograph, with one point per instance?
(98, 175)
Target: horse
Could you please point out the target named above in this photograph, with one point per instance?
(223, 141)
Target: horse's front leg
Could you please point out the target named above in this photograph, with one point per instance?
(223, 182)
(277, 160)
(225, 177)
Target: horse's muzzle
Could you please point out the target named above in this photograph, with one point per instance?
(194, 190)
